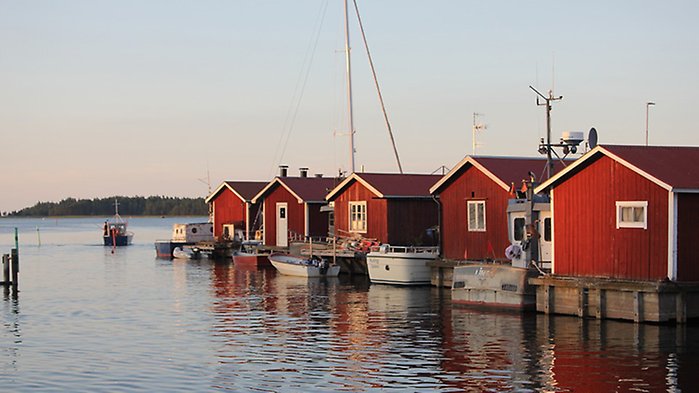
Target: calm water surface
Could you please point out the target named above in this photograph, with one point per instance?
(89, 320)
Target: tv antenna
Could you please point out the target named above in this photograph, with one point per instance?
(476, 127)
(547, 146)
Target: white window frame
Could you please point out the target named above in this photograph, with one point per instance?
(480, 226)
(631, 224)
(357, 216)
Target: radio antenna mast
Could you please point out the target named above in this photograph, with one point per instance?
(476, 127)
(547, 102)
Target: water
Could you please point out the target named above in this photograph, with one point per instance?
(89, 320)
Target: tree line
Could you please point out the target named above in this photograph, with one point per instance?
(128, 206)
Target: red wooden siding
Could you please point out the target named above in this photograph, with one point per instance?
(409, 219)
(295, 214)
(687, 237)
(587, 242)
(228, 209)
(473, 184)
(377, 225)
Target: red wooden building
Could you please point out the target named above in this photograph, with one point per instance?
(627, 212)
(391, 208)
(231, 203)
(473, 198)
(292, 208)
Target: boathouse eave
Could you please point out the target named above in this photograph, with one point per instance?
(332, 195)
(269, 187)
(220, 188)
(457, 169)
(586, 159)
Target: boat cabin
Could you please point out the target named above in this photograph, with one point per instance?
(627, 212)
(192, 232)
(387, 207)
(233, 210)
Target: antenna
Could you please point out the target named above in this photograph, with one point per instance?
(476, 127)
(547, 146)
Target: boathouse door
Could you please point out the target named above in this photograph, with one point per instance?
(282, 225)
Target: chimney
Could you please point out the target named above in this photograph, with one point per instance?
(303, 172)
(319, 175)
(283, 169)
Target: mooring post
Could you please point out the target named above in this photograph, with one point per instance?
(6, 270)
(15, 270)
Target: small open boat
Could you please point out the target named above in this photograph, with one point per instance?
(186, 252)
(303, 267)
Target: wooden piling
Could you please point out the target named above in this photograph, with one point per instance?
(15, 270)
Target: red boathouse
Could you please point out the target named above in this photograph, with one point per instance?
(231, 203)
(627, 212)
(391, 208)
(291, 208)
(473, 197)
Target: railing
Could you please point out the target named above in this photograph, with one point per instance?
(387, 248)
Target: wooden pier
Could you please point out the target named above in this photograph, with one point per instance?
(442, 272)
(638, 301)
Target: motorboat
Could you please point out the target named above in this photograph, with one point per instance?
(186, 252)
(401, 265)
(303, 267)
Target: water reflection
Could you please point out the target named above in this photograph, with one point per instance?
(136, 323)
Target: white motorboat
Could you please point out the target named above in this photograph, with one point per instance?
(401, 265)
(303, 267)
(186, 252)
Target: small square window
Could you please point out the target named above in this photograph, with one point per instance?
(632, 214)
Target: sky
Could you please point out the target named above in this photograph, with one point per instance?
(162, 97)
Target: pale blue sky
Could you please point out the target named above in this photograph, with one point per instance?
(104, 97)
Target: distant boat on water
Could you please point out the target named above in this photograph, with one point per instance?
(115, 231)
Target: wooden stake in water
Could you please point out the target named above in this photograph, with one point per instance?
(38, 237)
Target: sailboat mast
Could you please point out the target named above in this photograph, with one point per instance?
(349, 85)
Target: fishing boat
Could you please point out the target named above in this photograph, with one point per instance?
(303, 267)
(115, 231)
(401, 265)
(184, 235)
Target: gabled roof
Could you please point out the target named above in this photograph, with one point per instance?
(670, 167)
(245, 190)
(304, 189)
(389, 185)
(502, 170)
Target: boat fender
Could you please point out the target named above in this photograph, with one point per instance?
(514, 251)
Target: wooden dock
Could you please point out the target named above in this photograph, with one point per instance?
(638, 301)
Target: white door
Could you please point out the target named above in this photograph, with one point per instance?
(282, 225)
(546, 232)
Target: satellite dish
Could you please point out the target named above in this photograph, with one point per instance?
(592, 138)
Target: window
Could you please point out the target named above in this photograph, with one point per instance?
(357, 216)
(518, 229)
(632, 214)
(547, 229)
(476, 216)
